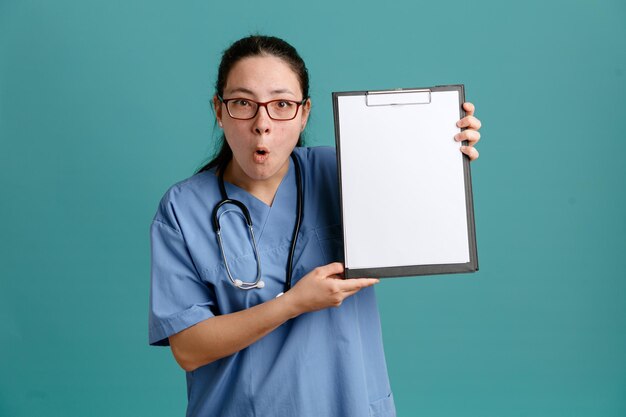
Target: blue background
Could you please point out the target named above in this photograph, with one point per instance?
(104, 104)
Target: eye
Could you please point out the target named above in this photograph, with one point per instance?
(283, 104)
(240, 102)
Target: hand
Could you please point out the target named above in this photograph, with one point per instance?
(470, 134)
(324, 287)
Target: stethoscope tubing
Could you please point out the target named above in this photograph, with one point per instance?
(245, 213)
(239, 283)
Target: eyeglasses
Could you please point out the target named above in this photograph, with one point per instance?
(246, 109)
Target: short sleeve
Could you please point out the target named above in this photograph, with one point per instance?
(178, 297)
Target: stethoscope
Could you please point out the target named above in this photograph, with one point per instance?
(245, 213)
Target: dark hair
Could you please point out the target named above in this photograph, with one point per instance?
(255, 45)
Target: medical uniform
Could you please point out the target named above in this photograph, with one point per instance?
(321, 364)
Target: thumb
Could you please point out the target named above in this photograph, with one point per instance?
(334, 268)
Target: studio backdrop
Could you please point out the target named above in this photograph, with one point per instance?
(105, 104)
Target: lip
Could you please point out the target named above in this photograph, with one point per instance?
(261, 153)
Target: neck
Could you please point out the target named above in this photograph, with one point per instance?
(264, 189)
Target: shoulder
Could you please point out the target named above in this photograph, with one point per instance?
(317, 153)
(317, 159)
(193, 191)
(319, 172)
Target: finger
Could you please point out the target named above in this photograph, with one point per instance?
(356, 284)
(471, 152)
(472, 136)
(339, 276)
(351, 293)
(469, 108)
(335, 268)
(469, 122)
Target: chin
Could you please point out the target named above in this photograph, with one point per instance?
(260, 173)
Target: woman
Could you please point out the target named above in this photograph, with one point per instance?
(218, 300)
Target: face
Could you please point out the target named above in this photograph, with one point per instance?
(261, 146)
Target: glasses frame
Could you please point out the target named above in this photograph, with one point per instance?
(262, 104)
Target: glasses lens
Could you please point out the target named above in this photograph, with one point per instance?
(282, 109)
(242, 109)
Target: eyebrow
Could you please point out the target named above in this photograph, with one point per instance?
(246, 91)
(240, 90)
(282, 90)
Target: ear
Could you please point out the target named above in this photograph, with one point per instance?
(217, 106)
(306, 110)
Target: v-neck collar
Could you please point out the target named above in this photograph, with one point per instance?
(259, 211)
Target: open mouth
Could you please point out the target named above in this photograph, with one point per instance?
(261, 154)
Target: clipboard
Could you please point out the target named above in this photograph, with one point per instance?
(405, 187)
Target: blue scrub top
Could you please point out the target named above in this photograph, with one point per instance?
(324, 363)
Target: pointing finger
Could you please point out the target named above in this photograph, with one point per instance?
(356, 284)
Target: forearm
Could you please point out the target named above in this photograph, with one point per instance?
(221, 336)
(224, 335)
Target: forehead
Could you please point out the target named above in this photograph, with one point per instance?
(263, 76)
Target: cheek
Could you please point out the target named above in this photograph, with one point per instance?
(290, 138)
(292, 132)
(234, 134)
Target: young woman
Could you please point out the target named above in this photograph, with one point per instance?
(259, 316)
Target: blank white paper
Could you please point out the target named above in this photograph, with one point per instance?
(402, 181)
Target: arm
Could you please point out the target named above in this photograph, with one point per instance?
(221, 336)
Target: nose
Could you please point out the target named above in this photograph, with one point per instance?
(262, 121)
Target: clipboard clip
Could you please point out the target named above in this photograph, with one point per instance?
(397, 97)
